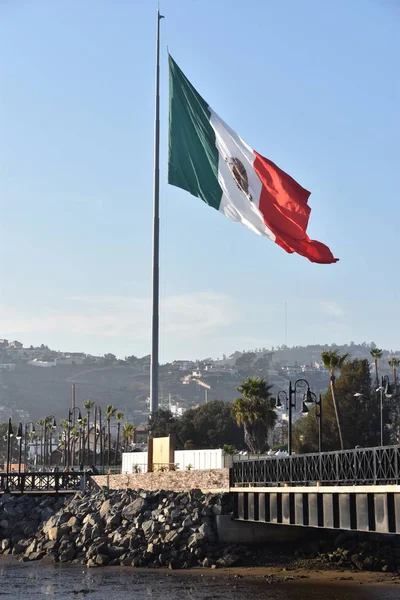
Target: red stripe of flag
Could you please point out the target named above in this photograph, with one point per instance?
(283, 203)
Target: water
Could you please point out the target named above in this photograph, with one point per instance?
(22, 581)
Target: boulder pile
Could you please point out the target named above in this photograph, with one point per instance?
(121, 527)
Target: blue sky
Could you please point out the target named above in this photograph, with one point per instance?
(312, 85)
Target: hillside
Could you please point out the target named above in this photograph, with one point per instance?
(39, 390)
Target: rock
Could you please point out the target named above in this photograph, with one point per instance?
(102, 560)
(113, 520)
(206, 531)
(172, 537)
(133, 509)
(196, 540)
(36, 555)
(31, 548)
(5, 544)
(46, 513)
(31, 528)
(146, 527)
(115, 552)
(229, 560)
(52, 533)
(105, 508)
(68, 555)
(91, 563)
(187, 522)
(208, 563)
(73, 522)
(19, 548)
(174, 564)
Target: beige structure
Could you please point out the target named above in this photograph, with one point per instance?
(160, 453)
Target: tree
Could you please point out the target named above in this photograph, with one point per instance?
(88, 404)
(210, 425)
(361, 414)
(40, 423)
(131, 360)
(376, 353)
(110, 358)
(244, 362)
(394, 363)
(120, 417)
(334, 362)
(110, 413)
(255, 411)
(162, 422)
(3, 443)
(81, 440)
(128, 431)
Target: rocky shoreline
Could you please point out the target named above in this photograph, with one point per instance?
(163, 529)
(130, 528)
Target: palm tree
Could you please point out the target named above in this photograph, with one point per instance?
(255, 411)
(127, 434)
(73, 435)
(88, 404)
(81, 434)
(120, 417)
(394, 363)
(110, 412)
(64, 426)
(376, 353)
(333, 361)
(40, 423)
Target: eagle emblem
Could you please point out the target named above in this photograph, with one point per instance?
(239, 174)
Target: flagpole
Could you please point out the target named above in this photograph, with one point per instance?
(156, 233)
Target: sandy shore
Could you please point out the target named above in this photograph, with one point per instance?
(278, 575)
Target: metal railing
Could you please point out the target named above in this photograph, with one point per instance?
(45, 482)
(361, 466)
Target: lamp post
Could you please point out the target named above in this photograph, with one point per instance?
(50, 421)
(386, 391)
(19, 438)
(313, 398)
(9, 435)
(26, 441)
(71, 415)
(290, 400)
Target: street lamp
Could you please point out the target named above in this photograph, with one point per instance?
(386, 391)
(71, 414)
(312, 399)
(32, 430)
(50, 421)
(19, 438)
(9, 435)
(290, 400)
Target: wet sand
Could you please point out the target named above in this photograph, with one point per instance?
(20, 580)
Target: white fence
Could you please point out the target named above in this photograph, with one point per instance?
(136, 462)
(199, 459)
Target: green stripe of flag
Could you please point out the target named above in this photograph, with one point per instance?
(193, 156)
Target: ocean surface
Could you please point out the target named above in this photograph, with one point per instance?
(24, 581)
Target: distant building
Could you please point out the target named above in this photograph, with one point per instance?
(70, 360)
(42, 363)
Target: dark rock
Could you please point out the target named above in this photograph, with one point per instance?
(68, 555)
(133, 509)
(102, 560)
(174, 564)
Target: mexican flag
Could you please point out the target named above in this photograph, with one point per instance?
(212, 162)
